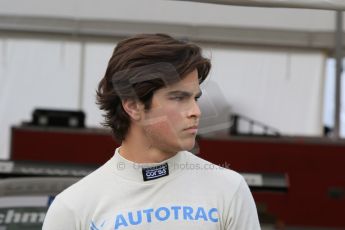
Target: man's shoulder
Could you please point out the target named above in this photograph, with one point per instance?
(85, 186)
(221, 173)
(72, 204)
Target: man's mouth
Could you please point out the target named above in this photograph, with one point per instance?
(192, 129)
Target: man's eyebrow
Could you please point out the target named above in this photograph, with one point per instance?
(184, 93)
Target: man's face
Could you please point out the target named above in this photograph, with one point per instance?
(171, 123)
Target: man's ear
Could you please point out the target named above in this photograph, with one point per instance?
(133, 108)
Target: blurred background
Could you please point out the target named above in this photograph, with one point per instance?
(270, 105)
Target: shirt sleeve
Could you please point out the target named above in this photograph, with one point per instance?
(59, 216)
(243, 214)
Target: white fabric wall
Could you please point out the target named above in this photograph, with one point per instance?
(278, 87)
(35, 73)
(329, 97)
(46, 74)
(283, 89)
(96, 61)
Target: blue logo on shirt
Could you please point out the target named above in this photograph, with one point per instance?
(162, 214)
(94, 227)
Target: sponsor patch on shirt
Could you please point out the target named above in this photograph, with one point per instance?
(155, 172)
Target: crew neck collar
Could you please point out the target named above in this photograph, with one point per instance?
(134, 171)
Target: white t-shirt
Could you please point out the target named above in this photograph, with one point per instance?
(183, 192)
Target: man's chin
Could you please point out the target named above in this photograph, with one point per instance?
(187, 146)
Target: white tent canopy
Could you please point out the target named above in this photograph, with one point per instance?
(308, 4)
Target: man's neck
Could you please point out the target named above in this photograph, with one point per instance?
(143, 155)
(136, 149)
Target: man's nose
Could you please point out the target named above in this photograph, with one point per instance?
(194, 110)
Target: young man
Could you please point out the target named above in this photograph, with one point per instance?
(149, 94)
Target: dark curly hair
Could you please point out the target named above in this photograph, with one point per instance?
(138, 67)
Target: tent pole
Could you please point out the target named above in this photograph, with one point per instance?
(339, 69)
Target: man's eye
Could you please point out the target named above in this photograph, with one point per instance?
(178, 98)
(197, 98)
